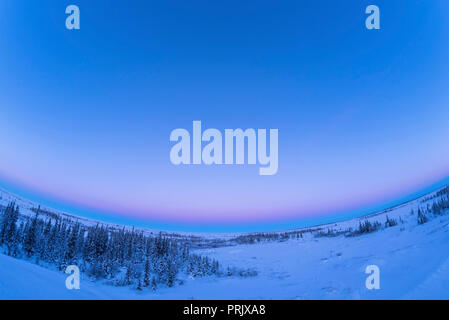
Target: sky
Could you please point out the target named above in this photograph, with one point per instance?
(86, 115)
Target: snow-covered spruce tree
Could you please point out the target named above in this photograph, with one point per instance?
(146, 277)
(421, 217)
(390, 222)
(9, 235)
(139, 285)
(29, 244)
(153, 284)
(5, 223)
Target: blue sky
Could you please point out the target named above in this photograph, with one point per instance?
(86, 115)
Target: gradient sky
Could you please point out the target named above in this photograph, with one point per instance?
(85, 116)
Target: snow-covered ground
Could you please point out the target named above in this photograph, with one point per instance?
(413, 261)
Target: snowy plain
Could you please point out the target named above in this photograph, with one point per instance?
(413, 260)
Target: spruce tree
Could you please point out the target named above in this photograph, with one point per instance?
(146, 277)
(30, 237)
(153, 284)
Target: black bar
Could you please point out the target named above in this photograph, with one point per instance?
(229, 309)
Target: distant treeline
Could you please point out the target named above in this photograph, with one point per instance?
(435, 205)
